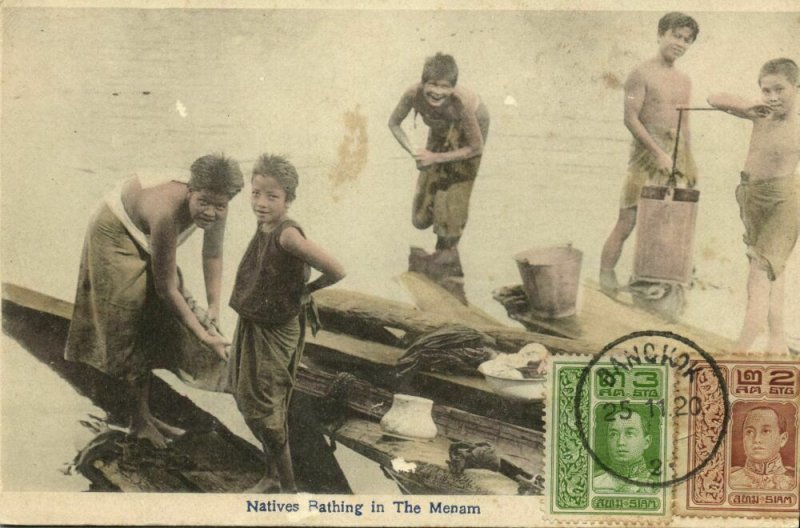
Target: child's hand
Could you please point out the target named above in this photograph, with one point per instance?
(213, 313)
(664, 163)
(758, 110)
(425, 158)
(305, 297)
(218, 344)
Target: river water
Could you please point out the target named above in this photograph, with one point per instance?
(90, 95)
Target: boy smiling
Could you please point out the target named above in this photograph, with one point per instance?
(653, 92)
(767, 197)
(448, 165)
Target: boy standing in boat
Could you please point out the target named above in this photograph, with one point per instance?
(653, 92)
(448, 165)
(767, 197)
(270, 295)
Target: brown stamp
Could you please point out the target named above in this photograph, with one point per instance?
(755, 473)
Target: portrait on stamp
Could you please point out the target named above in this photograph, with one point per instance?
(761, 436)
(756, 471)
(622, 440)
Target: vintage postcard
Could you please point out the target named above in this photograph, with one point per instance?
(422, 263)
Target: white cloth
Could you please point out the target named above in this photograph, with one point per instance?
(146, 179)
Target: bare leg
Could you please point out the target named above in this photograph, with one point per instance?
(758, 304)
(141, 425)
(422, 206)
(612, 249)
(443, 242)
(269, 483)
(285, 470)
(446, 261)
(164, 428)
(777, 335)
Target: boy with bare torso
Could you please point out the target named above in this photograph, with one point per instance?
(653, 92)
(767, 196)
(448, 165)
(132, 311)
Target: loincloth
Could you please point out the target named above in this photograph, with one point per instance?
(444, 189)
(119, 324)
(643, 169)
(769, 212)
(262, 372)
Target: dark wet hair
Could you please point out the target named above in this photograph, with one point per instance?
(281, 169)
(440, 67)
(779, 416)
(675, 20)
(216, 173)
(781, 66)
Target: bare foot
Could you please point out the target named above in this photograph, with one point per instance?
(149, 432)
(168, 430)
(265, 485)
(608, 283)
(744, 345)
(780, 348)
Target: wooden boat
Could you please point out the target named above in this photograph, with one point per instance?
(40, 322)
(601, 320)
(370, 334)
(208, 458)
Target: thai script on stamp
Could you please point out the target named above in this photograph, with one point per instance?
(609, 439)
(755, 473)
(611, 422)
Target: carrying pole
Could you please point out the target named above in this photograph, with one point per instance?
(672, 181)
(681, 109)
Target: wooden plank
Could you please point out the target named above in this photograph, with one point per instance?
(368, 439)
(341, 305)
(368, 351)
(221, 461)
(371, 352)
(430, 297)
(521, 447)
(601, 319)
(376, 362)
(385, 355)
(34, 300)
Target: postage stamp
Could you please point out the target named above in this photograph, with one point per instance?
(609, 433)
(755, 473)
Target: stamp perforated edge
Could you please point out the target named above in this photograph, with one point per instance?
(684, 517)
(578, 519)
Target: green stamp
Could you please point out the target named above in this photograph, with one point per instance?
(624, 419)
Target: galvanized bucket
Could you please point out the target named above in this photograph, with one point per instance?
(550, 278)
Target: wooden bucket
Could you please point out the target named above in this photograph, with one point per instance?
(665, 225)
(550, 278)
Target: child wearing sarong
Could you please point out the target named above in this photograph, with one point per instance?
(653, 92)
(768, 197)
(132, 311)
(448, 165)
(270, 296)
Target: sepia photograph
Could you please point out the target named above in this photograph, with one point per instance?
(378, 263)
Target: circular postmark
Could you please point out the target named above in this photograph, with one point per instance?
(675, 351)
